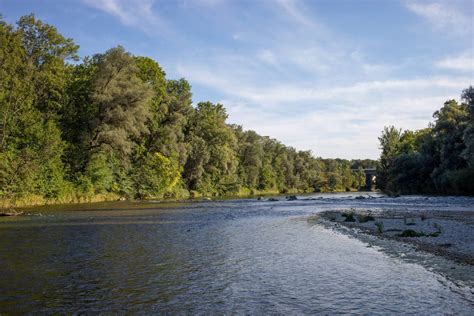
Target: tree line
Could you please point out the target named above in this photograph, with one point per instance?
(438, 159)
(113, 125)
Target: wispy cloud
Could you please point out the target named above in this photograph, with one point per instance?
(449, 16)
(292, 9)
(267, 56)
(344, 132)
(319, 116)
(318, 90)
(274, 94)
(135, 13)
(311, 85)
(464, 62)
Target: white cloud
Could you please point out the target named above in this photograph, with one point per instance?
(135, 13)
(464, 62)
(297, 81)
(292, 9)
(267, 57)
(344, 132)
(332, 121)
(267, 94)
(446, 16)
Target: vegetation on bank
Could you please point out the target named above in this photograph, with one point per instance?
(436, 160)
(112, 125)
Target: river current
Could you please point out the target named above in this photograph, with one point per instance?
(212, 257)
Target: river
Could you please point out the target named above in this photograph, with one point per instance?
(213, 257)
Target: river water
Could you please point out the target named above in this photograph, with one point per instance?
(230, 256)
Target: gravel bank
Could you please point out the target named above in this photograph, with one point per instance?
(446, 233)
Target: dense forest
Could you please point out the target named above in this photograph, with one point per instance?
(112, 125)
(438, 159)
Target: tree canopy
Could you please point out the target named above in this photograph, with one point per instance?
(113, 123)
(437, 159)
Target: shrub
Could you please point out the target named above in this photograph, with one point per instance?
(364, 218)
(379, 226)
(411, 233)
(349, 217)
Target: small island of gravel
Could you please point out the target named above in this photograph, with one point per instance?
(445, 233)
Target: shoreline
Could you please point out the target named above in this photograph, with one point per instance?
(448, 234)
(32, 202)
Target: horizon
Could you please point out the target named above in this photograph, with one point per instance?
(339, 78)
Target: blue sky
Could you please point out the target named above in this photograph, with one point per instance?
(323, 75)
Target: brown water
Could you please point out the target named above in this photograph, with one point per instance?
(231, 256)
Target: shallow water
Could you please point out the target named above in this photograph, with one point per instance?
(239, 256)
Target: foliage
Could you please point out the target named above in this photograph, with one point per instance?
(411, 233)
(349, 217)
(113, 125)
(154, 175)
(437, 159)
(379, 227)
(364, 218)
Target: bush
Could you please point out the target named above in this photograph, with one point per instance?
(364, 218)
(379, 226)
(411, 233)
(349, 217)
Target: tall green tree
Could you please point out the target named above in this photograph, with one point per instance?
(468, 137)
(34, 75)
(212, 163)
(113, 123)
(436, 159)
(121, 102)
(390, 144)
(448, 131)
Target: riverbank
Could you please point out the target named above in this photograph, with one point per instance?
(31, 201)
(444, 233)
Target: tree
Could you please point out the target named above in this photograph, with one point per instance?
(468, 136)
(47, 52)
(250, 157)
(155, 174)
(390, 144)
(121, 103)
(436, 159)
(448, 131)
(113, 123)
(212, 163)
(33, 71)
(169, 121)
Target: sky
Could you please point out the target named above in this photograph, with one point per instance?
(319, 75)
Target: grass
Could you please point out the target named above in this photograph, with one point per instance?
(37, 200)
(379, 226)
(364, 218)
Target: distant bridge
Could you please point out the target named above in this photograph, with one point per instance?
(370, 177)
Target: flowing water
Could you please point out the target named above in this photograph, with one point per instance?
(229, 256)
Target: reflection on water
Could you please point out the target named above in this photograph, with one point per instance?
(224, 256)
